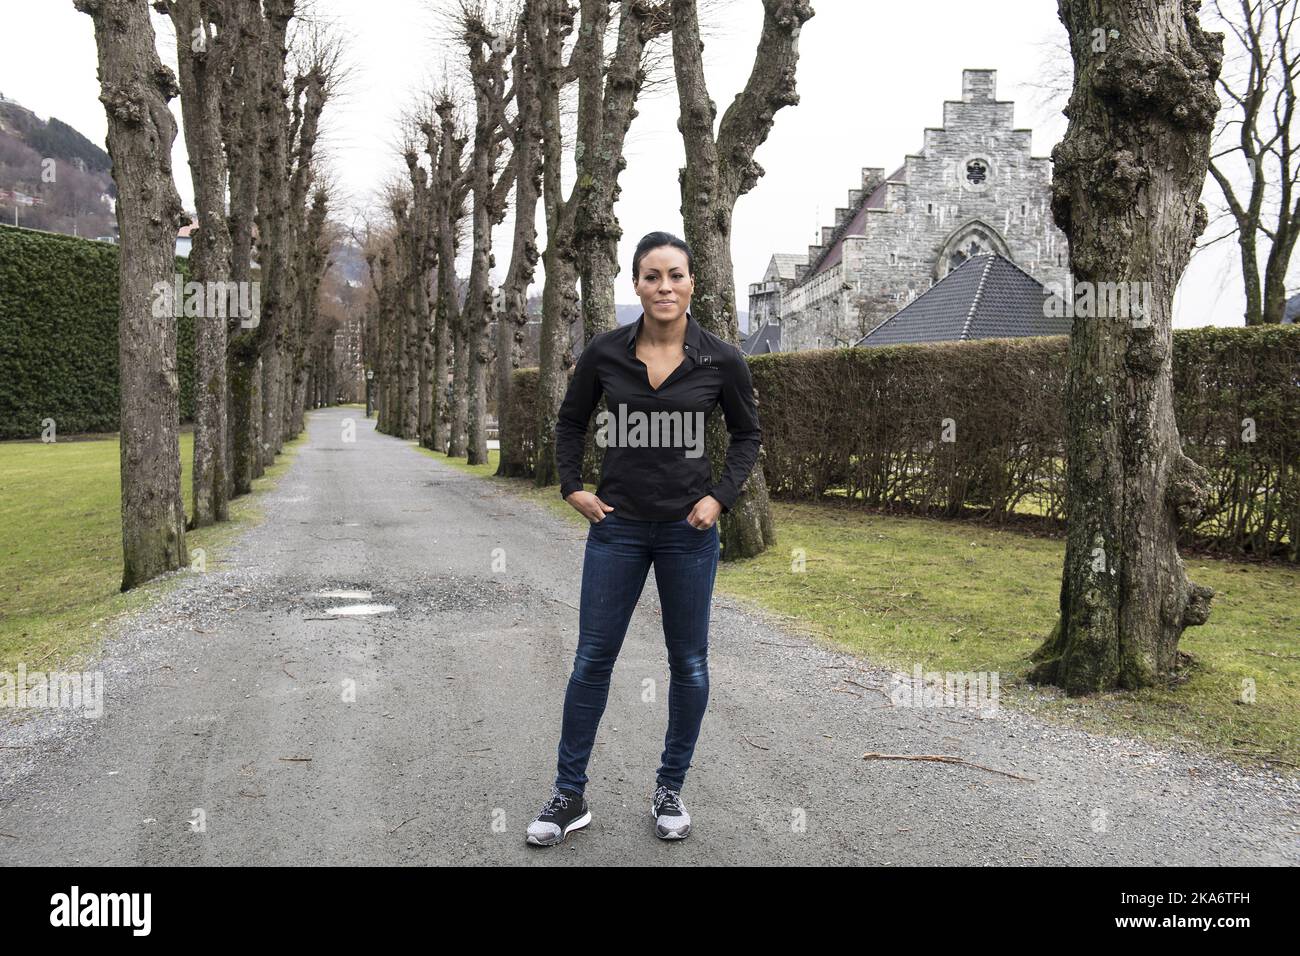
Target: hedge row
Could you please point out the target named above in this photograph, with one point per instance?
(977, 428)
(58, 335)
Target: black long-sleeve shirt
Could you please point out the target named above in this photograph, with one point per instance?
(655, 467)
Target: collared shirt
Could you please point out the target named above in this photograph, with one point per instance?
(655, 467)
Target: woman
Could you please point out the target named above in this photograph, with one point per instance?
(656, 504)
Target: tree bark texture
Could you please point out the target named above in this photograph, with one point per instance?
(1126, 188)
(135, 88)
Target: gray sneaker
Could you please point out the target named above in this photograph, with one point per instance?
(564, 811)
(672, 822)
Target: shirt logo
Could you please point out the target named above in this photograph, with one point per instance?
(706, 359)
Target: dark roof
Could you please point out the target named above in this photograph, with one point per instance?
(986, 297)
(833, 250)
(766, 338)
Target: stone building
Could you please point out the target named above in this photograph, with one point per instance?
(973, 189)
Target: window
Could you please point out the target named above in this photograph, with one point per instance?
(1023, 209)
(977, 171)
(929, 208)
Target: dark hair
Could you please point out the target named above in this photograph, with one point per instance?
(655, 240)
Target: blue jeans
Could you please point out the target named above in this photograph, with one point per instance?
(618, 558)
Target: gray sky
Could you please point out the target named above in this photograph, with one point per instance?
(872, 76)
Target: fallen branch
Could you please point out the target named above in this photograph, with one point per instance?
(881, 692)
(943, 758)
(1285, 657)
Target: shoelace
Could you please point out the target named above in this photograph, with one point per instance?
(557, 801)
(666, 798)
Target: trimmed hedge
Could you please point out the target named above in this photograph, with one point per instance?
(868, 424)
(58, 335)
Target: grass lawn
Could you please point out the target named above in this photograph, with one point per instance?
(61, 545)
(957, 596)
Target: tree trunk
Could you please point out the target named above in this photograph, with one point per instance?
(256, 458)
(718, 172)
(419, 239)
(275, 239)
(1127, 180)
(487, 59)
(1254, 314)
(241, 134)
(513, 316)
(202, 56)
(549, 22)
(135, 88)
(445, 148)
(1275, 271)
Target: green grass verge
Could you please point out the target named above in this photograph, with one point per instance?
(956, 596)
(61, 545)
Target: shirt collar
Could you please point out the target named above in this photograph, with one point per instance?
(694, 336)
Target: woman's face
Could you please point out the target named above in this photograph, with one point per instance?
(664, 285)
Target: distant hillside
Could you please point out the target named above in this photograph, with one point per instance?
(66, 197)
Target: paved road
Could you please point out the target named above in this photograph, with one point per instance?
(229, 698)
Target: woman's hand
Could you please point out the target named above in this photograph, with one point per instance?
(705, 513)
(588, 505)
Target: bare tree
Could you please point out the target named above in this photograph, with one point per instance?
(446, 148)
(719, 170)
(421, 255)
(607, 96)
(313, 259)
(204, 50)
(581, 230)
(1127, 179)
(241, 133)
(274, 222)
(526, 144)
(317, 75)
(489, 47)
(135, 88)
(1262, 128)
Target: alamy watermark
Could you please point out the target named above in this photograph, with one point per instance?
(1100, 300)
(54, 689)
(977, 690)
(208, 300)
(635, 429)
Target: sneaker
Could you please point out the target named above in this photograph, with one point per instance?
(564, 811)
(672, 822)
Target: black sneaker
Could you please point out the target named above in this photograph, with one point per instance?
(672, 822)
(564, 811)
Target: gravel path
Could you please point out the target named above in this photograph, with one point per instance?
(229, 698)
